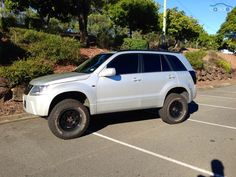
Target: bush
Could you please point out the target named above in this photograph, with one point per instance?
(33, 23)
(196, 58)
(134, 44)
(23, 71)
(62, 50)
(57, 49)
(223, 64)
(6, 22)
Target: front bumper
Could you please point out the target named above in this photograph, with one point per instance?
(37, 105)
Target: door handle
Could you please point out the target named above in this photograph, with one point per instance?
(171, 76)
(136, 79)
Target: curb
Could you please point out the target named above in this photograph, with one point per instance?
(16, 117)
(215, 86)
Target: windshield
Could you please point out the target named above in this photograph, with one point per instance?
(92, 64)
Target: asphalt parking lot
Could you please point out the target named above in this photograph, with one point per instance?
(132, 144)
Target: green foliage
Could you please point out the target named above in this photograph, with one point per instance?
(100, 26)
(153, 40)
(6, 22)
(23, 71)
(196, 58)
(228, 28)
(58, 49)
(182, 27)
(224, 64)
(62, 50)
(134, 44)
(207, 41)
(135, 14)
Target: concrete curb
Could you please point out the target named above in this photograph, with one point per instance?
(16, 117)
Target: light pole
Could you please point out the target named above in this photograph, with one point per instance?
(163, 37)
(164, 18)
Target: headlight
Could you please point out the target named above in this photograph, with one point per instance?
(38, 89)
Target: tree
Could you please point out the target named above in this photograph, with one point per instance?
(182, 27)
(62, 9)
(227, 32)
(136, 15)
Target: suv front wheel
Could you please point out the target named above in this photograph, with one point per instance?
(175, 109)
(68, 119)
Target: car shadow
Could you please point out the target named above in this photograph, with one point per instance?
(99, 122)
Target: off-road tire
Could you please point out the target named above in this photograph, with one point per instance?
(72, 112)
(172, 103)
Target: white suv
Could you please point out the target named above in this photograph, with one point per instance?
(112, 82)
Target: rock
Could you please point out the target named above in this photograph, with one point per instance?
(4, 82)
(17, 93)
(203, 73)
(4, 89)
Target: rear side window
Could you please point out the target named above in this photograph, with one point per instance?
(125, 64)
(164, 64)
(151, 63)
(175, 63)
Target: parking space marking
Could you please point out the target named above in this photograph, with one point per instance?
(215, 106)
(213, 124)
(158, 155)
(224, 91)
(213, 96)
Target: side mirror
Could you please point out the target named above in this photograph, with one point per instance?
(108, 72)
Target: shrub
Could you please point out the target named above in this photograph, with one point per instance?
(62, 50)
(6, 22)
(57, 49)
(135, 44)
(224, 64)
(23, 71)
(153, 40)
(196, 58)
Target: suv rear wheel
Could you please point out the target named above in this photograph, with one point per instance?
(175, 109)
(68, 119)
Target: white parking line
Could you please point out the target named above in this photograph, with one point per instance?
(213, 96)
(224, 91)
(215, 106)
(158, 155)
(213, 124)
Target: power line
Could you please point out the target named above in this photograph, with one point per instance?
(194, 16)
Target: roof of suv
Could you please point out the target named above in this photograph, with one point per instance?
(165, 51)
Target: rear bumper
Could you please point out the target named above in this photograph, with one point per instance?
(37, 105)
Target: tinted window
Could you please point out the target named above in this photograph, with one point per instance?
(91, 65)
(176, 64)
(125, 64)
(151, 62)
(165, 65)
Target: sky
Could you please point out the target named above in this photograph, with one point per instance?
(211, 17)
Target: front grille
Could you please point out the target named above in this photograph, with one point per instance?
(27, 89)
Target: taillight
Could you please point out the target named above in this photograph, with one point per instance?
(193, 75)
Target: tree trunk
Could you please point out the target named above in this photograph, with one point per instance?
(83, 28)
(83, 11)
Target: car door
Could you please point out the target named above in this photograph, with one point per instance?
(122, 91)
(158, 77)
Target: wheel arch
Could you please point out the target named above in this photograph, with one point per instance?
(79, 96)
(179, 90)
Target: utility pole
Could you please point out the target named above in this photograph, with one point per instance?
(164, 18)
(163, 36)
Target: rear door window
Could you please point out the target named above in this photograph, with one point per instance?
(151, 63)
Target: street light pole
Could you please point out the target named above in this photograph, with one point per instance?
(164, 18)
